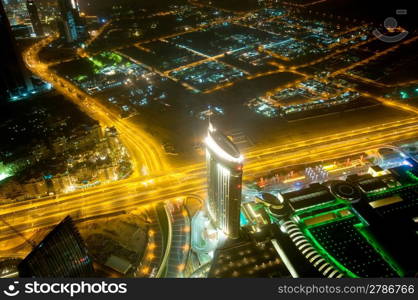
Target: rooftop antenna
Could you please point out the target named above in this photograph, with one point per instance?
(210, 127)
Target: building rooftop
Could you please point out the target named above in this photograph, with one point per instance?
(118, 264)
(220, 144)
(313, 195)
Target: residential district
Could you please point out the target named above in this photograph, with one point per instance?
(196, 139)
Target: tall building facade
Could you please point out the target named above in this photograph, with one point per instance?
(72, 26)
(14, 78)
(34, 17)
(224, 171)
(61, 253)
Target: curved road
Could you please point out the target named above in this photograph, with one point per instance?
(162, 183)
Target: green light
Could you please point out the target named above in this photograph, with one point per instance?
(391, 190)
(96, 62)
(112, 56)
(325, 253)
(318, 245)
(4, 176)
(413, 176)
(404, 95)
(5, 171)
(360, 226)
(80, 78)
(372, 241)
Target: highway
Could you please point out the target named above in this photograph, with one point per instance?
(153, 179)
(130, 194)
(143, 149)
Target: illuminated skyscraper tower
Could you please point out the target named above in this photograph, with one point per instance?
(224, 168)
(34, 17)
(14, 78)
(72, 27)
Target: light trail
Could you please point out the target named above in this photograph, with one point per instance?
(32, 216)
(141, 147)
(164, 183)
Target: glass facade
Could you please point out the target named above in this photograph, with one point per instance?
(61, 253)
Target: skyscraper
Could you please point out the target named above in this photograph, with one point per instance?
(14, 78)
(61, 253)
(72, 26)
(34, 17)
(224, 168)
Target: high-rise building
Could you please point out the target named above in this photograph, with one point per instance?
(34, 17)
(61, 253)
(14, 78)
(72, 26)
(224, 168)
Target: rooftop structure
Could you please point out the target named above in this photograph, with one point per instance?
(362, 227)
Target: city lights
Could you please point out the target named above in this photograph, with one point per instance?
(207, 139)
